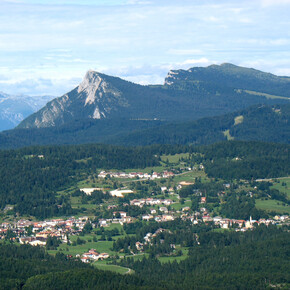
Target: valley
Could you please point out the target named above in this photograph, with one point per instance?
(170, 208)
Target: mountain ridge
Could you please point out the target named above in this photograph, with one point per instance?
(186, 95)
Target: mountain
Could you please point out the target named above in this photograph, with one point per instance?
(242, 79)
(13, 109)
(186, 95)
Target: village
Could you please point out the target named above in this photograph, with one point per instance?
(37, 233)
(146, 198)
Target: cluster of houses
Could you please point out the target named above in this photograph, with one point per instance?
(93, 255)
(154, 175)
(150, 201)
(240, 225)
(37, 233)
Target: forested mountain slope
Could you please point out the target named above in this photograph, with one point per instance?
(264, 123)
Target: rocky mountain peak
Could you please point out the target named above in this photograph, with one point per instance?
(90, 85)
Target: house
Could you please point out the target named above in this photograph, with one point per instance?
(203, 199)
(104, 256)
(133, 174)
(163, 188)
(148, 237)
(147, 217)
(139, 246)
(163, 209)
(103, 223)
(123, 214)
(167, 202)
(206, 218)
(85, 260)
(102, 174)
(187, 208)
(167, 217)
(140, 174)
(155, 175)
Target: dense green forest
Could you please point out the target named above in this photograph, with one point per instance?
(246, 160)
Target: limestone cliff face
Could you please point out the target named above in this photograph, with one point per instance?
(94, 98)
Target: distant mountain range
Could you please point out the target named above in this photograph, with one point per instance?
(186, 95)
(196, 106)
(13, 109)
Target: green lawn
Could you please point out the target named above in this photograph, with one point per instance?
(268, 96)
(113, 268)
(272, 205)
(280, 187)
(100, 246)
(239, 120)
(174, 158)
(177, 259)
(228, 135)
(189, 176)
(179, 206)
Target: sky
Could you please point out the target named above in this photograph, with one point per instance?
(46, 46)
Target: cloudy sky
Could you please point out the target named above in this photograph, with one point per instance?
(46, 46)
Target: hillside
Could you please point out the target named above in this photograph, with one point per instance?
(264, 123)
(186, 95)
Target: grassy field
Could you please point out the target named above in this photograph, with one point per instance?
(174, 158)
(239, 120)
(228, 135)
(179, 206)
(280, 187)
(102, 265)
(177, 259)
(272, 205)
(189, 176)
(268, 96)
(100, 246)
